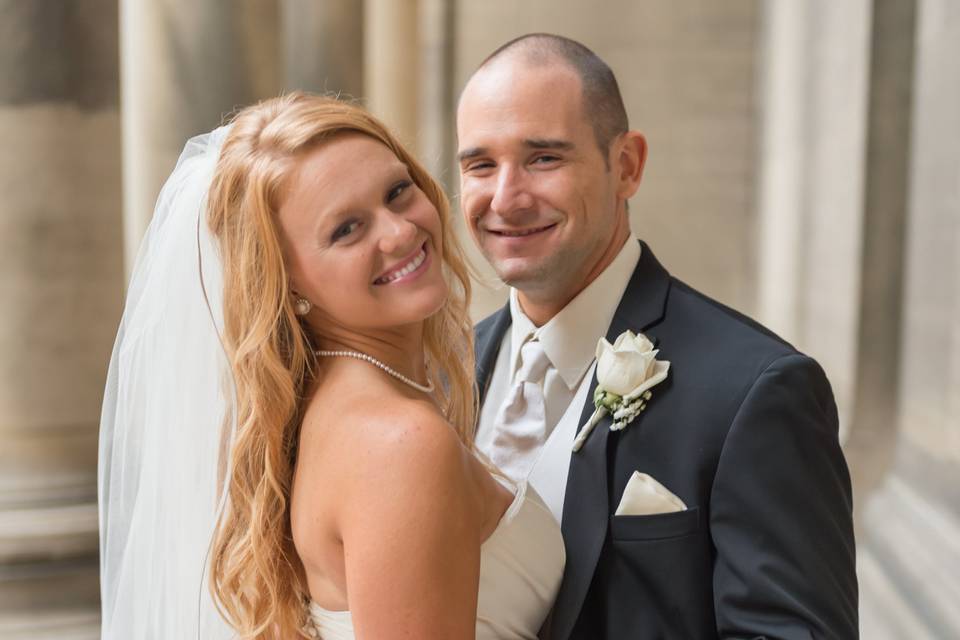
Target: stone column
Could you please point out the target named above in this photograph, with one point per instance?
(391, 65)
(184, 66)
(873, 424)
(62, 284)
(781, 171)
(323, 46)
(814, 102)
(438, 95)
(931, 349)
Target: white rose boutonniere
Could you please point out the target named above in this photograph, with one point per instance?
(626, 371)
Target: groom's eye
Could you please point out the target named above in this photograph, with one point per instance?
(545, 159)
(478, 166)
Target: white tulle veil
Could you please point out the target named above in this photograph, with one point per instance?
(167, 422)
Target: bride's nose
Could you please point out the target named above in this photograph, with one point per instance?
(398, 235)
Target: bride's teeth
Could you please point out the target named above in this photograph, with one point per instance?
(411, 266)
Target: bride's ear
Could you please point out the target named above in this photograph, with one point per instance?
(629, 158)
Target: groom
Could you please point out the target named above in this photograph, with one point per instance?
(722, 509)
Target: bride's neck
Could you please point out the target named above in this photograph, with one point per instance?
(400, 348)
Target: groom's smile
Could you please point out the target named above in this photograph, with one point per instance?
(516, 248)
(517, 241)
(521, 233)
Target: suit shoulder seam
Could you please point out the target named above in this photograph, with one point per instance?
(734, 315)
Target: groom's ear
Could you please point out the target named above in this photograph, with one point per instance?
(629, 157)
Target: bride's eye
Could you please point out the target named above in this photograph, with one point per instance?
(344, 230)
(397, 190)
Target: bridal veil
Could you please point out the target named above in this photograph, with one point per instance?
(167, 422)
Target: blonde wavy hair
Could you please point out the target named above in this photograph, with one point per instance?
(256, 577)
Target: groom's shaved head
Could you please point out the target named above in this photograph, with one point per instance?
(600, 92)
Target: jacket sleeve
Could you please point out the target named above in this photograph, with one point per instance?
(781, 513)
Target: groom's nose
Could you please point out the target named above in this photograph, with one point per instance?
(511, 192)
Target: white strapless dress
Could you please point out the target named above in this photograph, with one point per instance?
(521, 565)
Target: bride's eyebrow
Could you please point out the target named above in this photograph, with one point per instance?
(329, 213)
(330, 216)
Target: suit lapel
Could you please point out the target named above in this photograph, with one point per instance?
(489, 337)
(586, 507)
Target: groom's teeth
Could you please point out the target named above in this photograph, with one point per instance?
(526, 232)
(411, 266)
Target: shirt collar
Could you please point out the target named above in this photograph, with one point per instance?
(570, 338)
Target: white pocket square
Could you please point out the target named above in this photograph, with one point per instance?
(645, 496)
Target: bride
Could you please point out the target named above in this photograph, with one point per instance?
(287, 436)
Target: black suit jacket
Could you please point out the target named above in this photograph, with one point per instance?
(744, 431)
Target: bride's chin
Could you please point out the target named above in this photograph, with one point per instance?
(429, 305)
(432, 309)
(415, 306)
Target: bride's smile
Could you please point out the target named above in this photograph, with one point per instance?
(408, 269)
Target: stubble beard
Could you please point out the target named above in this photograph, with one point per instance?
(550, 278)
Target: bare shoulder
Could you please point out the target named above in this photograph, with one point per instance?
(403, 440)
(395, 448)
(386, 488)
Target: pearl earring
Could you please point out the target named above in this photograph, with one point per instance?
(301, 306)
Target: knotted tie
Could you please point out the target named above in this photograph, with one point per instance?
(521, 422)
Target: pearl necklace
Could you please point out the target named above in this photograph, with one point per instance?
(425, 388)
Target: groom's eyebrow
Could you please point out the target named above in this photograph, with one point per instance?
(532, 143)
(548, 143)
(472, 152)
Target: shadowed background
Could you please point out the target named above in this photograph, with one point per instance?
(804, 168)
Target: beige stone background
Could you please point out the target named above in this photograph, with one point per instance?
(804, 168)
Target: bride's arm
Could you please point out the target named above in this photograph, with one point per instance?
(411, 531)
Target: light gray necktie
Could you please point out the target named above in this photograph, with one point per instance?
(521, 422)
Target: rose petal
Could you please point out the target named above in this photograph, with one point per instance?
(626, 336)
(603, 346)
(643, 343)
(660, 371)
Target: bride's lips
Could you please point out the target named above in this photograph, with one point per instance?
(407, 269)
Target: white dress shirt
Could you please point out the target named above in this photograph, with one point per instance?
(569, 340)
